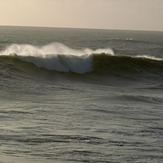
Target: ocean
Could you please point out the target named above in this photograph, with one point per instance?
(80, 95)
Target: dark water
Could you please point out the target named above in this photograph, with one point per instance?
(72, 95)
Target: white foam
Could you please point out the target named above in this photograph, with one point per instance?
(149, 57)
(56, 56)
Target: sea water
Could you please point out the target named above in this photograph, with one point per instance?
(80, 95)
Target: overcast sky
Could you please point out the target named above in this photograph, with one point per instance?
(109, 14)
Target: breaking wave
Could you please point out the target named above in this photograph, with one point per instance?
(61, 58)
(56, 56)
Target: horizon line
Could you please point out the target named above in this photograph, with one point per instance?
(88, 28)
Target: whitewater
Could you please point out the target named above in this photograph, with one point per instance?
(80, 95)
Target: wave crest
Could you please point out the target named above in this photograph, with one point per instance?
(52, 49)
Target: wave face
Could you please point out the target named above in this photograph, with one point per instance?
(126, 64)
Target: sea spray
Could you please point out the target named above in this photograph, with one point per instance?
(51, 49)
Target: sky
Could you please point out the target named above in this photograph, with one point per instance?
(103, 14)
